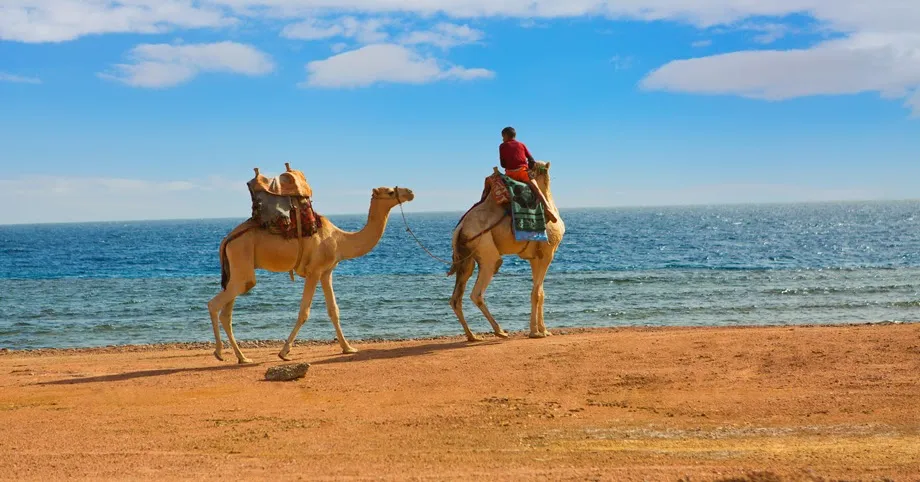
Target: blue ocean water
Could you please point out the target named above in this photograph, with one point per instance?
(95, 284)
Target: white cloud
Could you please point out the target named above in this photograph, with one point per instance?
(844, 14)
(769, 32)
(701, 43)
(311, 30)
(888, 64)
(383, 63)
(888, 20)
(531, 23)
(19, 79)
(621, 62)
(164, 65)
(373, 31)
(913, 103)
(444, 35)
(364, 31)
(36, 21)
(59, 20)
(90, 199)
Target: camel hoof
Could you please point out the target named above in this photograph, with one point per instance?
(538, 334)
(349, 351)
(284, 356)
(546, 333)
(218, 355)
(473, 339)
(245, 361)
(501, 334)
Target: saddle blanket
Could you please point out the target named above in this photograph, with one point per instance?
(526, 211)
(310, 223)
(278, 215)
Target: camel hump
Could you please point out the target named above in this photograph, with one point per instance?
(291, 183)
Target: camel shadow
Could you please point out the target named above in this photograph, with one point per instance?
(119, 377)
(369, 354)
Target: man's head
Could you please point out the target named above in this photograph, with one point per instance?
(508, 134)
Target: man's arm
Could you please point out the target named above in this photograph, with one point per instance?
(530, 160)
(501, 159)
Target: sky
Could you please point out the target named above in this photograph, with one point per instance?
(159, 109)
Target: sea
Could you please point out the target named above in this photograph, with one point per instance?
(118, 283)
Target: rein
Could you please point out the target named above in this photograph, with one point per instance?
(409, 230)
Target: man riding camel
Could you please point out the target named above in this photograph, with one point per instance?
(518, 162)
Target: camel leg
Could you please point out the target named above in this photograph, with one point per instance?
(218, 344)
(538, 268)
(309, 288)
(225, 313)
(487, 269)
(463, 274)
(215, 307)
(332, 308)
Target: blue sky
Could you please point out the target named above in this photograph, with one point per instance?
(151, 109)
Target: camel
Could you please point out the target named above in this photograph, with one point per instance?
(482, 237)
(248, 248)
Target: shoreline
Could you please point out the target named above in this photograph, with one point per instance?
(487, 335)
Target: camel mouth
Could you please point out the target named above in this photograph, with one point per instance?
(404, 195)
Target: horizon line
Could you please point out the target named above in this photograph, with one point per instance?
(576, 208)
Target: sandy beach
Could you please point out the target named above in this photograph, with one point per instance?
(773, 403)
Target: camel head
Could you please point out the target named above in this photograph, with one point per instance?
(391, 197)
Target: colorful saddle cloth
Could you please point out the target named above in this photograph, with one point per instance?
(522, 203)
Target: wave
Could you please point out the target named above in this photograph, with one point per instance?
(843, 290)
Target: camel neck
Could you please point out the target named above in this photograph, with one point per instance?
(356, 244)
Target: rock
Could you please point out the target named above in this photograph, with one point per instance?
(285, 373)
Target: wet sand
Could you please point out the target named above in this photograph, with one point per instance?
(773, 403)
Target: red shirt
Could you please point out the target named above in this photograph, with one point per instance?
(514, 155)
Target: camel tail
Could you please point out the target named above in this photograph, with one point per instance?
(462, 252)
(224, 260)
(224, 266)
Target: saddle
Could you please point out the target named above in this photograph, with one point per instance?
(283, 206)
(495, 185)
(289, 183)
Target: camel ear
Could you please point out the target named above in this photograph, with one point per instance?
(547, 165)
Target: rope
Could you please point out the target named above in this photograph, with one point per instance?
(409, 230)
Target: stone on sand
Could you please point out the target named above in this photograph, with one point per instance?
(284, 373)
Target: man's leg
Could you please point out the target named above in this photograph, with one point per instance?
(550, 215)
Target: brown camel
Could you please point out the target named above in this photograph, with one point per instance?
(250, 248)
(483, 237)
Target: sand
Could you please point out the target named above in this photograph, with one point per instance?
(773, 403)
